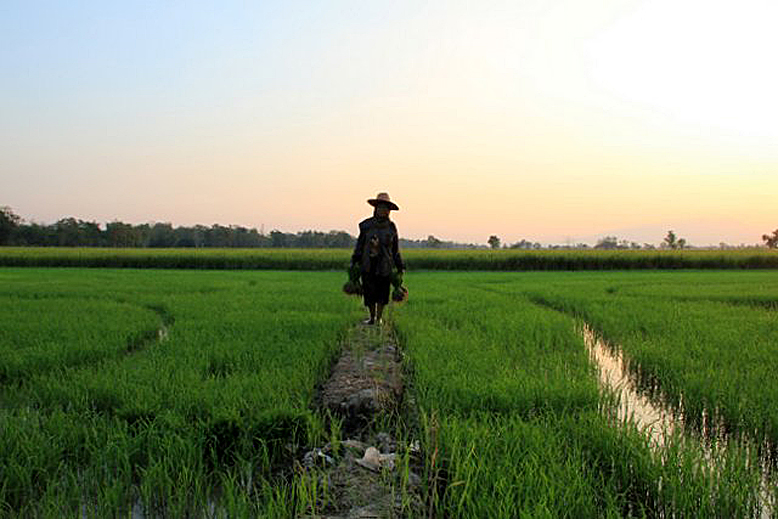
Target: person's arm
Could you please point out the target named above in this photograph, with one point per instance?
(356, 257)
(398, 260)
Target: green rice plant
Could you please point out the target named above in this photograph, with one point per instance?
(225, 396)
(40, 334)
(536, 444)
(510, 416)
(706, 340)
(416, 259)
(476, 350)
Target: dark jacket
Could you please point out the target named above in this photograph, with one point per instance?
(377, 247)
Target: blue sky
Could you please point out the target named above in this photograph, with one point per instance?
(546, 120)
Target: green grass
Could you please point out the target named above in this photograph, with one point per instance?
(709, 340)
(169, 423)
(417, 259)
(43, 333)
(510, 408)
(99, 415)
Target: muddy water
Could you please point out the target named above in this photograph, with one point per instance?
(656, 420)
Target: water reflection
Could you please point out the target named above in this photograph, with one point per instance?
(660, 423)
(657, 421)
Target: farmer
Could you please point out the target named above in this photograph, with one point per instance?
(376, 253)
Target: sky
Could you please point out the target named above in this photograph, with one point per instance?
(554, 121)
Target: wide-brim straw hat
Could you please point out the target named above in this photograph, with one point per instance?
(383, 198)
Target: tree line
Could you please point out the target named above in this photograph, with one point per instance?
(74, 232)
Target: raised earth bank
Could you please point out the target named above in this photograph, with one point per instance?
(370, 466)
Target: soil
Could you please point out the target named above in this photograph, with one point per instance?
(367, 379)
(371, 473)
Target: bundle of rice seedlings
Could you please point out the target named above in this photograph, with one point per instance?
(400, 293)
(353, 286)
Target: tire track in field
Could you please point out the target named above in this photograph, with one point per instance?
(137, 342)
(737, 302)
(148, 337)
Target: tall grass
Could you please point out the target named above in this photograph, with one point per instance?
(225, 397)
(709, 341)
(511, 417)
(431, 259)
(44, 333)
(511, 414)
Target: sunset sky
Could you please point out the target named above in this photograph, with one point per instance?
(554, 121)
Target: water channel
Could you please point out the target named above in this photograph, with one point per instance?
(659, 422)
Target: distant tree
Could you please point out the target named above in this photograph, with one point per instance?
(433, 242)
(278, 239)
(91, 233)
(9, 222)
(671, 241)
(608, 243)
(771, 240)
(307, 239)
(218, 236)
(34, 234)
(142, 234)
(523, 244)
(494, 242)
(184, 237)
(340, 239)
(162, 235)
(69, 232)
(245, 238)
(119, 234)
(199, 233)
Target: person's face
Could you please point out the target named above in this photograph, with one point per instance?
(382, 210)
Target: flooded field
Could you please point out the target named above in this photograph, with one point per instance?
(662, 423)
(185, 393)
(658, 421)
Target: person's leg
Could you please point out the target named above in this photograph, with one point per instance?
(373, 312)
(381, 296)
(368, 292)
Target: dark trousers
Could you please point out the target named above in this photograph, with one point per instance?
(375, 289)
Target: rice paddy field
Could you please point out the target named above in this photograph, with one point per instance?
(418, 259)
(162, 392)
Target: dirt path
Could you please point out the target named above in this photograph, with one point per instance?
(370, 469)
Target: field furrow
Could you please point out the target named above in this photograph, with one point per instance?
(192, 393)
